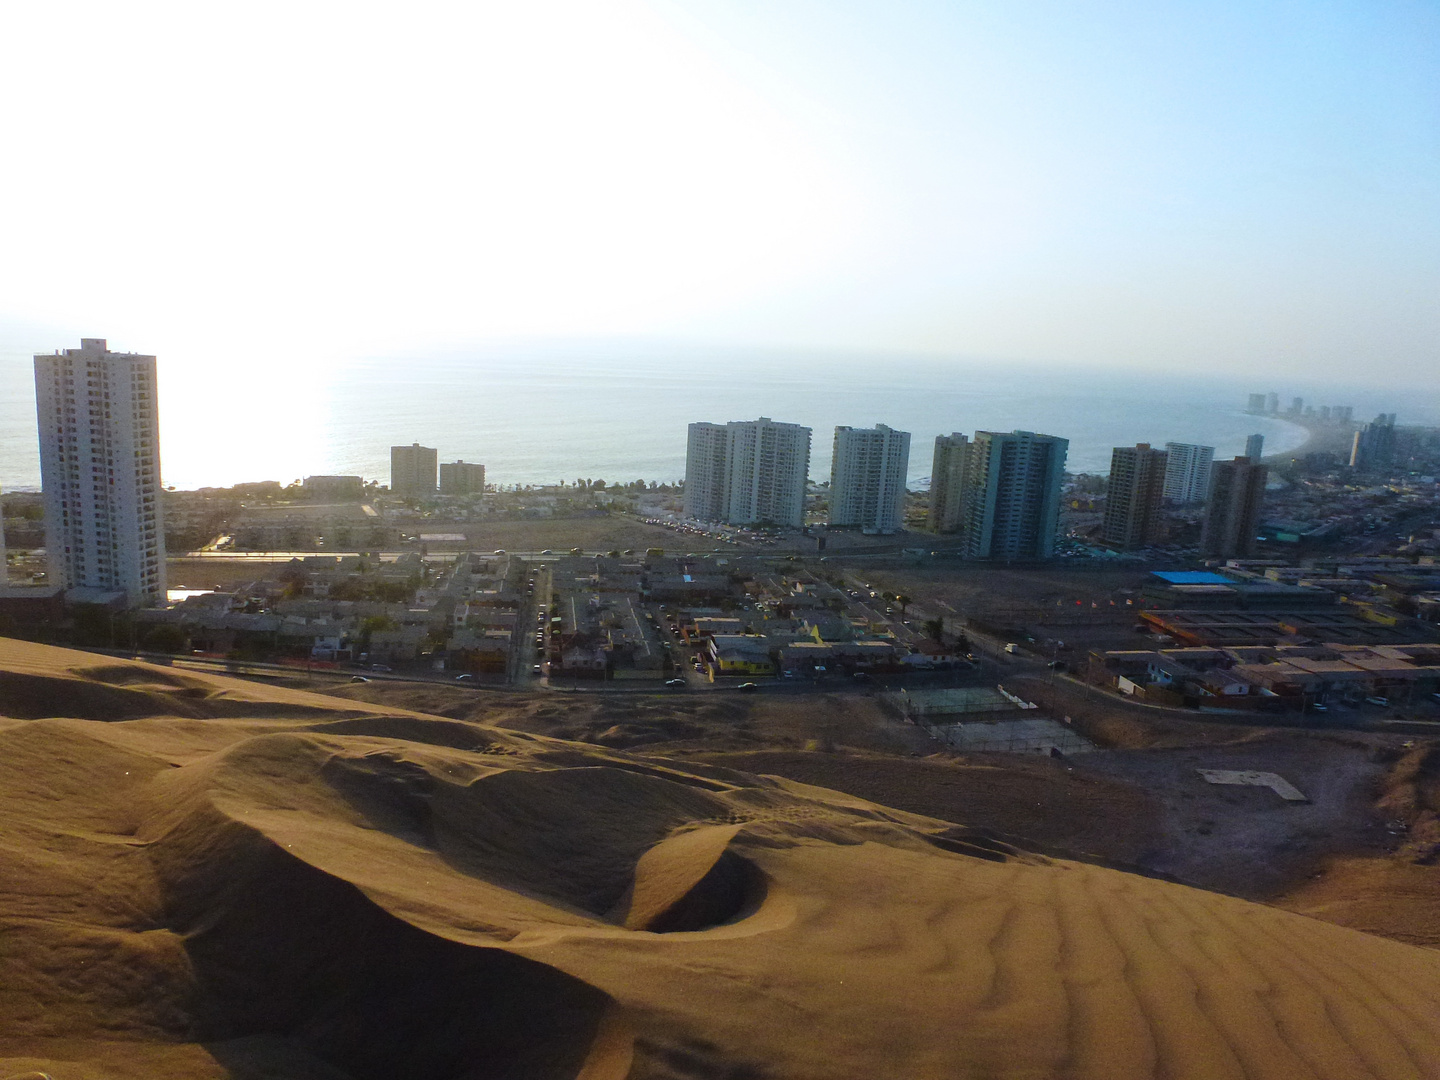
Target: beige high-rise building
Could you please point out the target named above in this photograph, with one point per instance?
(462, 478)
(413, 470)
(948, 471)
(1133, 497)
(100, 471)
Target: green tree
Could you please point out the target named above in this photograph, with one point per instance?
(374, 624)
(164, 638)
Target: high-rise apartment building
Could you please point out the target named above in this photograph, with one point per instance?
(1232, 511)
(1272, 403)
(867, 478)
(462, 478)
(413, 470)
(100, 471)
(1133, 497)
(948, 471)
(1187, 472)
(1012, 496)
(1255, 447)
(755, 474)
(706, 471)
(1257, 404)
(1374, 444)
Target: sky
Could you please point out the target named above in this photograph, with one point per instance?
(1228, 185)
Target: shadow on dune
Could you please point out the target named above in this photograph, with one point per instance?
(287, 954)
(284, 951)
(131, 693)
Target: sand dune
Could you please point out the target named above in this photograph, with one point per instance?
(204, 878)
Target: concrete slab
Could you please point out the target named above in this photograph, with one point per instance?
(1274, 781)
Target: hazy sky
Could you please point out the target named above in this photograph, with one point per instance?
(1247, 183)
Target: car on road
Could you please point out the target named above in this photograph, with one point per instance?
(749, 687)
(674, 682)
(499, 551)
(381, 667)
(1012, 648)
(1318, 707)
(1383, 702)
(358, 678)
(535, 670)
(547, 551)
(464, 678)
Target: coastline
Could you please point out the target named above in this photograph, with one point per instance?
(1320, 438)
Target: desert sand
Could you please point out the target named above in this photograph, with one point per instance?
(201, 877)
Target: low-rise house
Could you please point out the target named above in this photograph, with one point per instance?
(468, 651)
(806, 658)
(740, 654)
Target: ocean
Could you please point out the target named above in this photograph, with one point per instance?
(535, 414)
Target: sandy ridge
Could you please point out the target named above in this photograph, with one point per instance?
(285, 885)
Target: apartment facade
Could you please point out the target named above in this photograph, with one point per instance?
(1012, 497)
(1373, 447)
(1187, 472)
(413, 470)
(334, 488)
(1232, 512)
(756, 473)
(462, 478)
(706, 471)
(1133, 497)
(99, 427)
(868, 468)
(948, 471)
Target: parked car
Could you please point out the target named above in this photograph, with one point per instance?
(464, 678)
(358, 678)
(1384, 703)
(535, 670)
(749, 686)
(674, 682)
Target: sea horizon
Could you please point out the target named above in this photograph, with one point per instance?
(539, 413)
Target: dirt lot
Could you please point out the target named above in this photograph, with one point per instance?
(1248, 841)
(591, 534)
(1062, 811)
